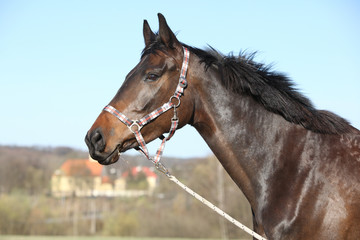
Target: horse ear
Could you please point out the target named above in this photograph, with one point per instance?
(149, 36)
(166, 35)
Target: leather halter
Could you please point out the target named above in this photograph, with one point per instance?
(174, 102)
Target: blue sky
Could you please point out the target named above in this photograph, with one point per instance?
(61, 62)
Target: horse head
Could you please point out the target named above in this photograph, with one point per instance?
(147, 87)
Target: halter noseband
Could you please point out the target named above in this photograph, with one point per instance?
(136, 125)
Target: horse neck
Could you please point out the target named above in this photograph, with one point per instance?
(240, 132)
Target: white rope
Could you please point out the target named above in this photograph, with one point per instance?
(213, 207)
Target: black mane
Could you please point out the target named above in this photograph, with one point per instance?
(275, 91)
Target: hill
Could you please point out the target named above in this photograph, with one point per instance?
(30, 169)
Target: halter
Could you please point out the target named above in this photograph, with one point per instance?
(136, 125)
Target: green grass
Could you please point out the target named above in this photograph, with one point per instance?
(5, 237)
(11, 237)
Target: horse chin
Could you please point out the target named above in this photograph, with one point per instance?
(112, 158)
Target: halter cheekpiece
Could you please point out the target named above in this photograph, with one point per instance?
(136, 125)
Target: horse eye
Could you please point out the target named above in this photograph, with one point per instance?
(151, 77)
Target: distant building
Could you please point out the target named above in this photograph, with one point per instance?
(87, 178)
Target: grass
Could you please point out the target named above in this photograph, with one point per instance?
(11, 237)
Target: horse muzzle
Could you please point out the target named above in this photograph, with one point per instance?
(95, 141)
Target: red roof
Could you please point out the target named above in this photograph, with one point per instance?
(85, 167)
(105, 179)
(82, 167)
(136, 170)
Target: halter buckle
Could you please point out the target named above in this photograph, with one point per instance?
(183, 82)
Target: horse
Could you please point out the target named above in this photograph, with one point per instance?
(299, 167)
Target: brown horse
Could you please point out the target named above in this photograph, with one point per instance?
(299, 167)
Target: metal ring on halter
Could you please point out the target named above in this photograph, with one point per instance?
(177, 98)
(135, 124)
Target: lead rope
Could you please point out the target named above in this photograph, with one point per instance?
(172, 178)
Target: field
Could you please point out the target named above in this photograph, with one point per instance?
(74, 238)
(4, 237)
(86, 238)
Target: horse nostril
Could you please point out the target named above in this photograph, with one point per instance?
(97, 140)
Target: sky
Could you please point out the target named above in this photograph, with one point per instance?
(61, 62)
